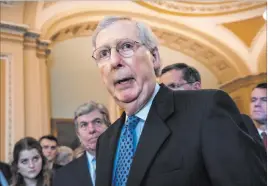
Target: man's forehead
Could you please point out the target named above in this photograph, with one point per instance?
(90, 116)
(118, 30)
(259, 92)
(48, 141)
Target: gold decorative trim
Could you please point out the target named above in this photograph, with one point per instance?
(245, 81)
(262, 59)
(179, 8)
(3, 109)
(9, 107)
(49, 4)
(213, 60)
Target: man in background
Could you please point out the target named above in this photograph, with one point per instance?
(91, 119)
(49, 144)
(258, 110)
(180, 76)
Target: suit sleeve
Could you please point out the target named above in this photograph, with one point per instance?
(231, 157)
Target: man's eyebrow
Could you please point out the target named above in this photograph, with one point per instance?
(95, 119)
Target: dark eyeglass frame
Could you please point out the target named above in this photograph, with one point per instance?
(118, 48)
(179, 86)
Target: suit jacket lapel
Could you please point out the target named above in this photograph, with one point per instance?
(154, 134)
(82, 172)
(110, 147)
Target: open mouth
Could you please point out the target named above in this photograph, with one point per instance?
(124, 80)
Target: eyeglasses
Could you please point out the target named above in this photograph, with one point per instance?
(174, 86)
(126, 48)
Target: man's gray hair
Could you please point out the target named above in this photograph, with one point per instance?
(146, 36)
(89, 107)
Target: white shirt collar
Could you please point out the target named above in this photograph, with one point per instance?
(90, 157)
(143, 113)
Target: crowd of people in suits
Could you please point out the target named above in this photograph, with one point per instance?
(170, 134)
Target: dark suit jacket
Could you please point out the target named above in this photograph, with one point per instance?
(74, 173)
(190, 138)
(5, 168)
(252, 130)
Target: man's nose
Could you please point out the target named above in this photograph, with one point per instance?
(258, 103)
(91, 128)
(115, 58)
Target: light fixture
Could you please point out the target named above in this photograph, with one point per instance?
(265, 15)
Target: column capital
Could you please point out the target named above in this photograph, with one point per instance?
(30, 38)
(12, 32)
(43, 49)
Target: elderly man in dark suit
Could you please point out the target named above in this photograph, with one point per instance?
(165, 137)
(91, 120)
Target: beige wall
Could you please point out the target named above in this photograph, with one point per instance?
(169, 56)
(13, 13)
(74, 77)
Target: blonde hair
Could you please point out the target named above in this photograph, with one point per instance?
(79, 151)
(65, 155)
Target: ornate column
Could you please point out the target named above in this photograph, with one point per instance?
(42, 53)
(32, 91)
(36, 86)
(11, 54)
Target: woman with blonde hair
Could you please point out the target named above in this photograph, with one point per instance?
(29, 167)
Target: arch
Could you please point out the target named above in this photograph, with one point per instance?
(262, 60)
(217, 57)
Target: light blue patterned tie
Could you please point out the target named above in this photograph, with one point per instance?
(126, 151)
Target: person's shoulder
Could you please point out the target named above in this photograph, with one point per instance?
(201, 95)
(4, 165)
(69, 168)
(56, 166)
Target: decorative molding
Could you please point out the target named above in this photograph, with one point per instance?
(13, 28)
(213, 60)
(32, 35)
(255, 40)
(43, 49)
(200, 8)
(7, 3)
(48, 4)
(243, 82)
(9, 107)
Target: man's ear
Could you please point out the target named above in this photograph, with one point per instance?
(197, 85)
(156, 60)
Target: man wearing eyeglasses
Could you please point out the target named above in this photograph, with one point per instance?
(165, 137)
(91, 119)
(180, 76)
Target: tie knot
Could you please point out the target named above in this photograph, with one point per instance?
(132, 122)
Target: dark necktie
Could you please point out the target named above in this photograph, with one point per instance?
(264, 139)
(126, 151)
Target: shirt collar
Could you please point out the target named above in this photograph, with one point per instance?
(90, 157)
(143, 113)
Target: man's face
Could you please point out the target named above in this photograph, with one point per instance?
(174, 80)
(90, 127)
(258, 105)
(29, 163)
(137, 70)
(49, 148)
